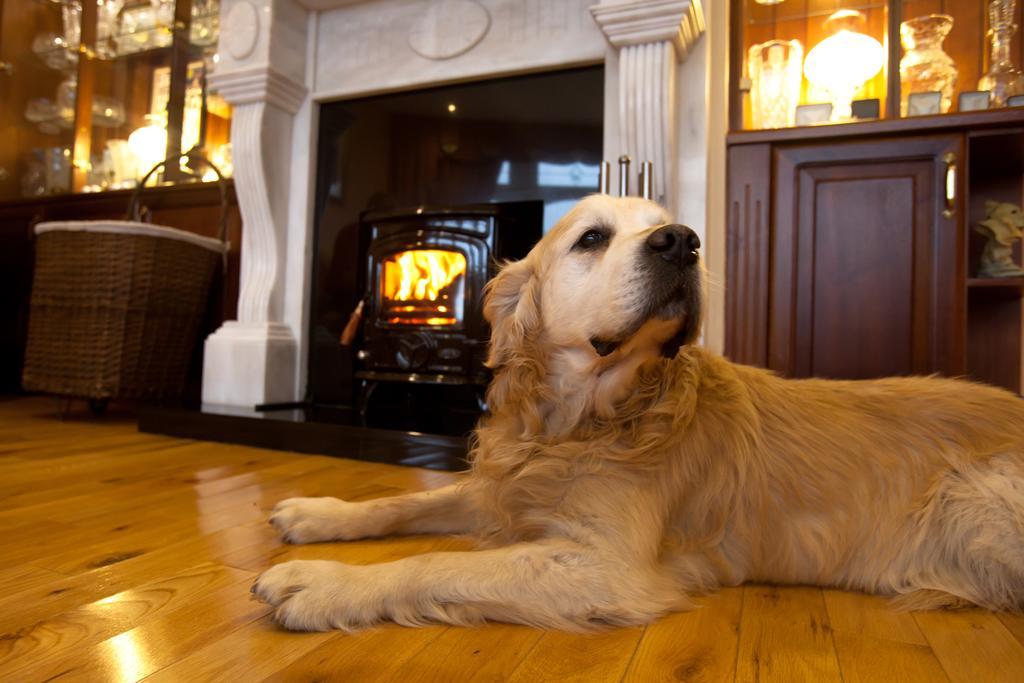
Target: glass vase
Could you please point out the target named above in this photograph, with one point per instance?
(775, 71)
(925, 67)
(1003, 79)
(106, 26)
(71, 18)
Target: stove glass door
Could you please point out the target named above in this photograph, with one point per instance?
(423, 287)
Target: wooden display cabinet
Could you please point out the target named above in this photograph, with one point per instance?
(141, 65)
(96, 92)
(851, 247)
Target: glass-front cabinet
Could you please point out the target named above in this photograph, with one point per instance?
(814, 62)
(95, 92)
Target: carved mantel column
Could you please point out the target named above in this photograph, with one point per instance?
(652, 37)
(253, 360)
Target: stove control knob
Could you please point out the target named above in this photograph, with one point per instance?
(414, 351)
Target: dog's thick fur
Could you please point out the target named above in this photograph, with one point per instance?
(608, 489)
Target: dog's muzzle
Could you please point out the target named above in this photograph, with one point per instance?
(669, 255)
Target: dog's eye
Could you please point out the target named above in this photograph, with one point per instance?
(590, 239)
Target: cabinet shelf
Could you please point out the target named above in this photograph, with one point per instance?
(975, 121)
(148, 53)
(997, 282)
(990, 289)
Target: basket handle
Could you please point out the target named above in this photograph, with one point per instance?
(134, 209)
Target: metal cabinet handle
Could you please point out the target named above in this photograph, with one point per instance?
(6, 67)
(950, 160)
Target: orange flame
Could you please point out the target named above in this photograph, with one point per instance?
(420, 276)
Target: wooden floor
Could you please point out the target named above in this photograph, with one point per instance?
(128, 556)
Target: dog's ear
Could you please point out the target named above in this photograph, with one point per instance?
(512, 308)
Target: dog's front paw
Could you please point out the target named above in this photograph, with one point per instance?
(318, 595)
(309, 520)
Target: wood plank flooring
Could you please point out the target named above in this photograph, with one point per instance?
(126, 556)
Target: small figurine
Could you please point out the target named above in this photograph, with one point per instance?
(1003, 225)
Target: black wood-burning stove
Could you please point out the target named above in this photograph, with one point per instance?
(425, 274)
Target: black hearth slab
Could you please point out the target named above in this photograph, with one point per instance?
(289, 430)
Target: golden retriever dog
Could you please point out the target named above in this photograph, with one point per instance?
(622, 468)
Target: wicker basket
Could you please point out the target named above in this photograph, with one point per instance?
(116, 307)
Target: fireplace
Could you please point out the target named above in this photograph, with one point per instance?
(425, 272)
(419, 195)
(329, 124)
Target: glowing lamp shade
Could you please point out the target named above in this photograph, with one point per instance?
(844, 61)
(148, 144)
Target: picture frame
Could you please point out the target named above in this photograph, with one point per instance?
(924, 103)
(813, 114)
(976, 100)
(867, 109)
(1015, 101)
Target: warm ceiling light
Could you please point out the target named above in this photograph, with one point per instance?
(451, 108)
(844, 61)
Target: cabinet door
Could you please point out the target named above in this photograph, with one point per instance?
(867, 261)
(748, 241)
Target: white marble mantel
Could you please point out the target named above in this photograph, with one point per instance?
(280, 58)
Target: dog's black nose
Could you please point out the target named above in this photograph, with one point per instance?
(676, 244)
